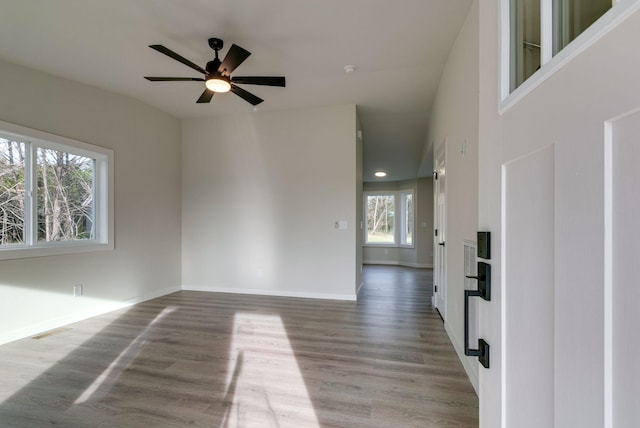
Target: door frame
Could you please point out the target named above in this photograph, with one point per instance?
(439, 299)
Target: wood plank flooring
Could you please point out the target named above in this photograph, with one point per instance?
(195, 359)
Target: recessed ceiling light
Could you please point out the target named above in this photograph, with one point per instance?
(380, 174)
(349, 68)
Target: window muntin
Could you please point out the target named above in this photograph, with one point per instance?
(380, 219)
(55, 194)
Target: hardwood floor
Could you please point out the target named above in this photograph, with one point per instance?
(223, 360)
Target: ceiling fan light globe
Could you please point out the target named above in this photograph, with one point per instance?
(217, 84)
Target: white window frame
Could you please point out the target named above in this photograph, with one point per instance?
(399, 218)
(620, 11)
(103, 195)
(366, 214)
(403, 220)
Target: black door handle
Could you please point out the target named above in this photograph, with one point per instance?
(441, 243)
(483, 347)
(483, 291)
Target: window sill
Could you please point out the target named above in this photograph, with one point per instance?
(401, 246)
(16, 253)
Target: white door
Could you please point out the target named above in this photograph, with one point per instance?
(622, 293)
(529, 205)
(439, 241)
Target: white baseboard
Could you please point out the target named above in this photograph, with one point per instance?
(470, 364)
(275, 293)
(396, 263)
(40, 327)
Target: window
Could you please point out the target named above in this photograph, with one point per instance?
(406, 237)
(384, 227)
(54, 194)
(525, 40)
(539, 29)
(380, 219)
(572, 17)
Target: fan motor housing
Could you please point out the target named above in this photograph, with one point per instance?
(216, 43)
(212, 66)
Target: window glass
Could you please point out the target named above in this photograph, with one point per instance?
(65, 196)
(407, 218)
(525, 40)
(566, 19)
(380, 219)
(12, 160)
(55, 194)
(572, 17)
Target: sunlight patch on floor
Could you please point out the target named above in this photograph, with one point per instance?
(265, 387)
(103, 383)
(51, 344)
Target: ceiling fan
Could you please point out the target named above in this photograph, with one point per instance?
(217, 74)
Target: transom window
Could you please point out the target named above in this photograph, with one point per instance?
(539, 29)
(54, 194)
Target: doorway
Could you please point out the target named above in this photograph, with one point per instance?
(439, 241)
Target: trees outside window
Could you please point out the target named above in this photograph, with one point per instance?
(389, 222)
(64, 203)
(65, 196)
(52, 195)
(11, 191)
(407, 218)
(381, 219)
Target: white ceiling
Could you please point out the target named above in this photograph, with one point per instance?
(399, 47)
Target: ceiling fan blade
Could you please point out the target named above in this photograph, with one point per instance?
(245, 95)
(177, 57)
(206, 96)
(259, 80)
(174, 79)
(234, 58)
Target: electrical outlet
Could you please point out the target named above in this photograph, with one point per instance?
(77, 290)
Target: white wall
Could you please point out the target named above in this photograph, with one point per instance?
(454, 120)
(424, 223)
(490, 209)
(359, 208)
(36, 294)
(421, 255)
(261, 194)
(566, 114)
